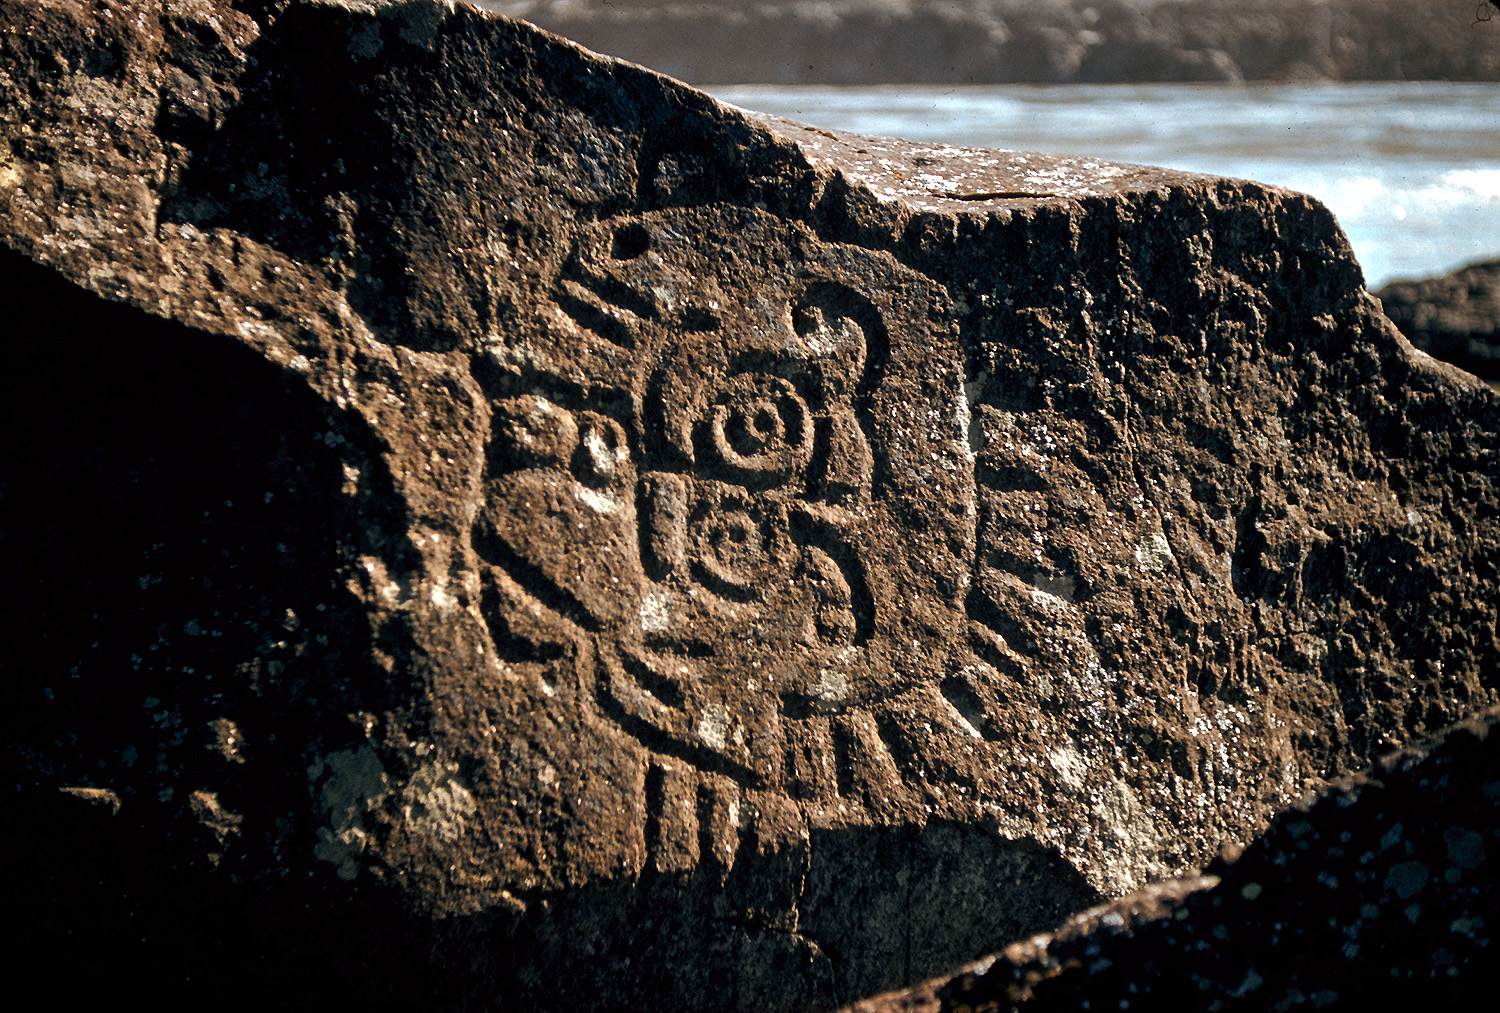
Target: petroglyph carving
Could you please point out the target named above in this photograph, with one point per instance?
(725, 540)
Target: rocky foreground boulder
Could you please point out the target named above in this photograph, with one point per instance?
(487, 526)
(1380, 893)
(1455, 316)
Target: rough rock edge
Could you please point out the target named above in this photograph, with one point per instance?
(1454, 317)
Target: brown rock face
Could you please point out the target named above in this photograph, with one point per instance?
(487, 525)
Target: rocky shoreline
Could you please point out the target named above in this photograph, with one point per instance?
(487, 526)
(1455, 317)
(857, 42)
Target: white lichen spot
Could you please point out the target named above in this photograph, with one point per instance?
(602, 457)
(518, 357)
(1069, 765)
(418, 22)
(442, 601)
(656, 612)
(824, 338)
(364, 42)
(1153, 553)
(390, 593)
(355, 783)
(10, 173)
(713, 726)
(599, 502)
(435, 804)
(831, 687)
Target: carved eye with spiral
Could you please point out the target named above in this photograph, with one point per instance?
(759, 425)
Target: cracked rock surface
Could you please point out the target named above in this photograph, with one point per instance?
(488, 525)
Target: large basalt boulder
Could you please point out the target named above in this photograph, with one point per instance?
(486, 524)
(1454, 316)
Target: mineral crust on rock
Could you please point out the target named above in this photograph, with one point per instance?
(485, 524)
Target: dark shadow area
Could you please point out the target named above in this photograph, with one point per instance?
(1381, 894)
(849, 914)
(179, 649)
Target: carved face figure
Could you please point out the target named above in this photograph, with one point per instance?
(740, 537)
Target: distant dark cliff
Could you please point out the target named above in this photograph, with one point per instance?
(1043, 41)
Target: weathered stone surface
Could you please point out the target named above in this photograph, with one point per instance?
(1455, 317)
(1049, 41)
(487, 524)
(1381, 890)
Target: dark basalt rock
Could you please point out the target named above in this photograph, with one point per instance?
(1383, 889)
(487, 525)
(1455, 317)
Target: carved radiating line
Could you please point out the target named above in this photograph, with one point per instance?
(495, 550)
(707, 852)
(591, 315)
(664, 689)
(845, 758)
(810, 772)
(966, 706)
(672, 831)
(718, 821)
(617, 294)
(615, 701)
(655, 792)
(865, 766)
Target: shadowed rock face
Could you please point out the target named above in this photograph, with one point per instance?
(1382, 889)
(496, 527)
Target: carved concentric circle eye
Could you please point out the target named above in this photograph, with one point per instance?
(761, 425)
(740, 549)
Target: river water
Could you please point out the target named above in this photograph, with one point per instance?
(1412, 169)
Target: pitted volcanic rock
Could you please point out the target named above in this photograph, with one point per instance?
(487, 524)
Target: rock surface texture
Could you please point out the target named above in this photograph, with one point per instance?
(1042, 41)
(1455, 317)
(1382, 892)
(486, 525)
